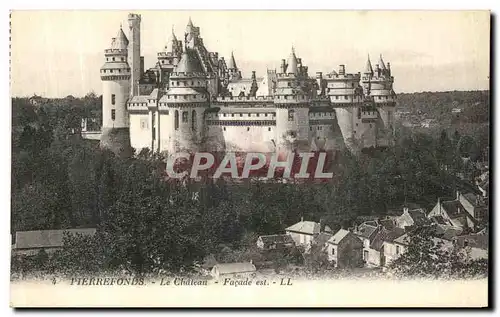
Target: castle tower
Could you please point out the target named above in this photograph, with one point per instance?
(292, 107)
(254, 87)
(134, 52)
(115, 77)
(233, 71)
(346, 96)
(187, 100)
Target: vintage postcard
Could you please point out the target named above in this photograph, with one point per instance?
(250, 158)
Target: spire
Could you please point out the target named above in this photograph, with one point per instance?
(232, 62)
(190, 23)
(120, 41)
(381, 63)
(292, 62)
(189, 26)
(173, 37)
(368, 69)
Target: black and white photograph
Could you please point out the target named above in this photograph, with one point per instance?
(190, 158)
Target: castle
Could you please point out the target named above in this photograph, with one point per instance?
(194, 100)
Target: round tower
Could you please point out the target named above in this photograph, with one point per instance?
(292, 108)
(187, 99)
(134, 52)
(115, 77)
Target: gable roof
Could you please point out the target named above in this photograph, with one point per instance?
(366, 230)
(453, 208)
(307, 227)
(339, 236)
(385, 235)
(46, 238)
(241, 267)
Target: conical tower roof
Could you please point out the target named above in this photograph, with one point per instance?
(172, 41)
(188, 64)
(232, 62)
(292, 63)
(381, 63)
(368, 68)
(120, 41)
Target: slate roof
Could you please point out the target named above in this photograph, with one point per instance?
(189, 63)
(307, 227)
(385, 235)
(46, 238)
(229, 268)
(366, 231)
(338, 237)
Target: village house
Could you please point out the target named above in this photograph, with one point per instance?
(304, 232)
(345, 249)
(32, 242)
(234, 270)
(411, 217)
(275, 241)
(464, 211)
(373, 234)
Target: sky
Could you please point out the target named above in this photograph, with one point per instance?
(59, 53)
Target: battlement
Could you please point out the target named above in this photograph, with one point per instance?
(343, 77)
(115, 51)
(369, 114)
(290, 98)
(286, 76)
(246, 99)
(190, 75)
(165, 54)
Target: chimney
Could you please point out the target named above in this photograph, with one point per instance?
(301, 219)
(341, 69)
(458, 195)
(321, 225)
(251, 261)
(405, 210)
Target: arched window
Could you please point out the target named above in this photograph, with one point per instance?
(291, 114)
(176, 119)
(184, 117)
(193, 120)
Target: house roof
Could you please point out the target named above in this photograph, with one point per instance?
(276, 238)
(453, 208)
(385, 235)
(416, 215)
(307, 227)
(228, 268)
(339, 236)
(189, 63)
(404, 239)
(366, 230)
(46, 238)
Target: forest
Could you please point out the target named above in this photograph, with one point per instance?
(146, 223)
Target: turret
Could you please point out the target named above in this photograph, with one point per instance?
(233, 71)
(115, 77)
(292, 63)
(187, 99)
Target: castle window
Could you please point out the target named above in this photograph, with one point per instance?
(111, 71)
(291, 114)
(232, 114)
(176, 120)
(356, 124)
(113, 59)
(119, 70)
(224, 114)
(317, 128)
(224, 128)
(258, 114)
(144, 124)
(397, 249)
(352, 85)
(248, 128)
(310, 128)
(241, 114)
(370, 125)
(345, 97)
(184, 117)
(113, 99)
(123, 59)
(336, 97)
(268, 129)
(266, 114)
(193, 120)
(113, 114)
(163, 62)
(175, 97)
(185, 97)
